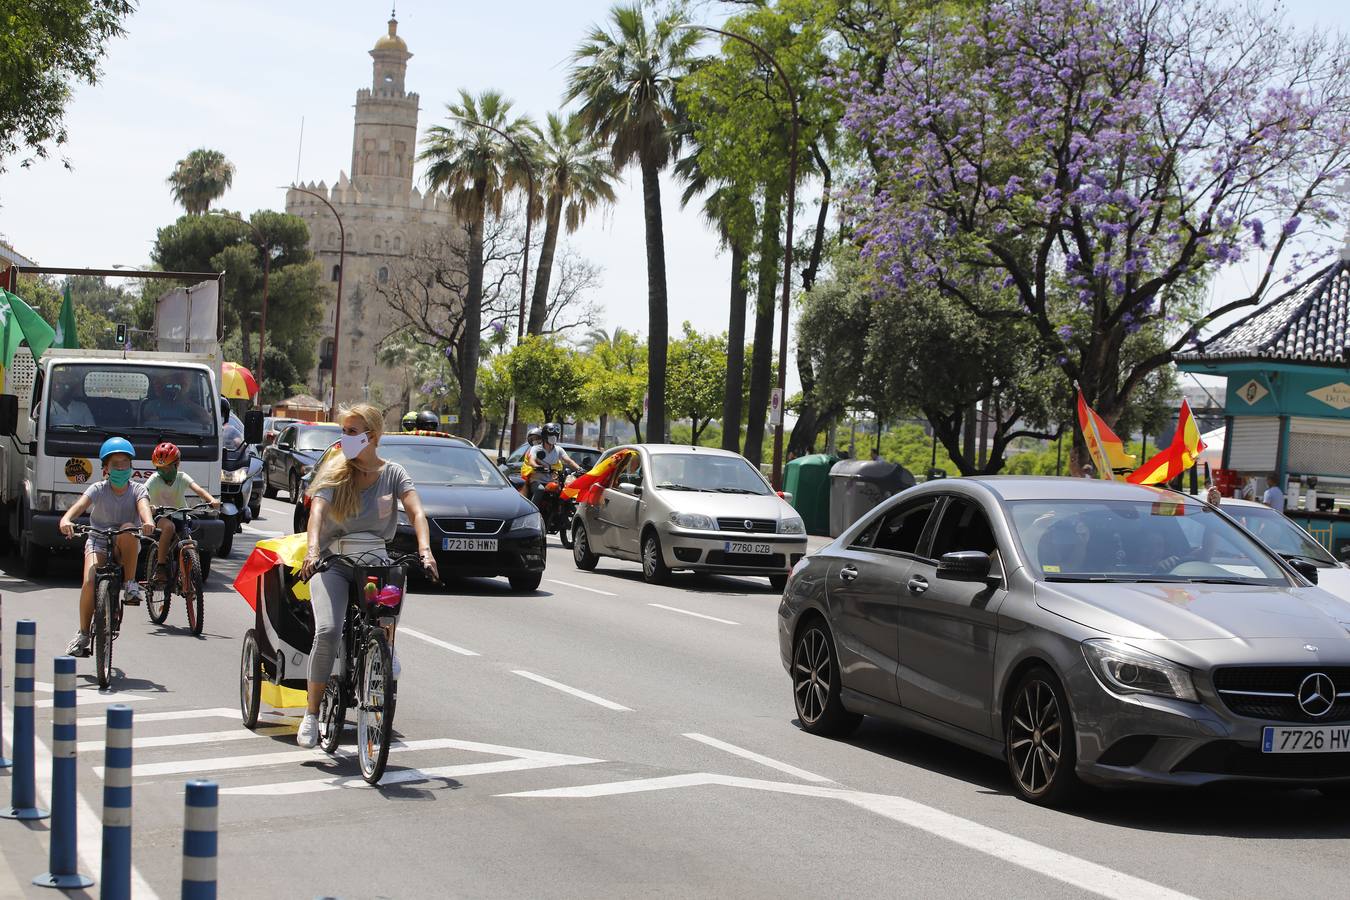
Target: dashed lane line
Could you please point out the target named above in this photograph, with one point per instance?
(435, 641)
(696, 615)
(582, 587)
(763, 760)
(583, 695)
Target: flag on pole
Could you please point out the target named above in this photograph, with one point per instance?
(1177, 457)
(1107, 451)
(31, 327)
(67, 337)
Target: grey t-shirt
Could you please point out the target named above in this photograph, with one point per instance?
(377, 512)
(109, 509)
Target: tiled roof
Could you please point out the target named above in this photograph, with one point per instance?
(1310, 324)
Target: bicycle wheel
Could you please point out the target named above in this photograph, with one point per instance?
(104, 614)
(250, 680)
(190, 571)
(156, 598)
(375, 707)
(332, 716)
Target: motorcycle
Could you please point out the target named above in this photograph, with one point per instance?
(240, 468)
(556, 509)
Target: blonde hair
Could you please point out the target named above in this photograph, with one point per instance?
(338, 474)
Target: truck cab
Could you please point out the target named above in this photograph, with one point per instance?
(71, 401)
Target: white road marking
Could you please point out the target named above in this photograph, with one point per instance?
(592, 698)
(219, 712)
(201, 737)
(249, 529)
(88, 824)
(696, 615)
(520, 760)
(760, 758)
(89, 697)
(444, 645)
(1071, 870)
(582, 587)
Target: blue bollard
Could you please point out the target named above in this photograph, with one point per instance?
(116, 872)
(5, 761)
(64, 855)
(22, 788)
(199, 840)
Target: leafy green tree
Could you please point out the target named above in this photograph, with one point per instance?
(696, 376)
(616, 377)
(200, 178)
(547, 375)
(576, 178)
(908, 445)
(625, 77)
(99, 306)
(44, 47)
(478, 168)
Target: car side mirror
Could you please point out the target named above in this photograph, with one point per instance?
(253, 426)
(628, 487)
(966, 565)
(501, 460)
(1305, 568)
(9, 414)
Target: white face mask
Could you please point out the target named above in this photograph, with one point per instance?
(353, 444)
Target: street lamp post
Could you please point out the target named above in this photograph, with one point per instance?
(787, 243)
(337, 308)
(525, 262)
(266, 248)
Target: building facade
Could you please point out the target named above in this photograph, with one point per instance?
(384, 217)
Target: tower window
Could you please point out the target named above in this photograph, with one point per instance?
(337, 272)
(398, 242)
(383, 275)
(379, 242)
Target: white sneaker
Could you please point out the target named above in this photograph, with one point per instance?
(134, 594)
(398, 669)
(308, 735)
(79, 645)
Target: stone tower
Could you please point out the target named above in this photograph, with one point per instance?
(385, 218)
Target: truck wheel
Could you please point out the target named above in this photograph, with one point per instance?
(31, 556)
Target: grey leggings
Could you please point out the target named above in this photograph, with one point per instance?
(328, 596)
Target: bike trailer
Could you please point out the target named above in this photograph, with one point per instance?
(284, 620)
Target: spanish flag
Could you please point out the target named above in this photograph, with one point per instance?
(1107, 451)
(588, 488)
(1179, 456)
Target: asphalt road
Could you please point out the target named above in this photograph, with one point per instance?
(606, 738)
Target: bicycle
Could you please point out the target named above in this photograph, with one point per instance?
(108, 581)
(364, 674)
(185, 568)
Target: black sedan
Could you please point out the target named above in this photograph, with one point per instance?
(293, 454)
(480, 526)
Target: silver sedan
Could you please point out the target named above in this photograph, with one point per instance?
(1083, 631)
(699, 509)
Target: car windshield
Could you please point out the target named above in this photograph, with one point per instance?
(436, 462)
(1279, 534)
(706, 472)
(1133, 540)
(316, 438)
(159, 402)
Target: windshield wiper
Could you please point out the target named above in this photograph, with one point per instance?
(669, 486)
(734, 490)
(1205, 579)
(79, 429)
(1094, 578)
(1315, 560)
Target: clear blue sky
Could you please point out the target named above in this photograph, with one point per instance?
(237, 75)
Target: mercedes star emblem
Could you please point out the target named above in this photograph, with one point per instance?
(1317, 694)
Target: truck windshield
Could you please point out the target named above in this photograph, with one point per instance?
(159, 402)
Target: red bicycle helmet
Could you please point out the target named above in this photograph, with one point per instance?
(166, 454)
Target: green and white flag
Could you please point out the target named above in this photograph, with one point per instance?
(22, 322)
(67, 336)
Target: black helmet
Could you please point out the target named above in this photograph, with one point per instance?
(553, 430)
(534, 435)
(409, 421)
(428, 421)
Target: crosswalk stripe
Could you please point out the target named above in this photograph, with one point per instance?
(219, 712)
(89, 698)
(202, 737)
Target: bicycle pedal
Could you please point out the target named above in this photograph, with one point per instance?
(131, 601)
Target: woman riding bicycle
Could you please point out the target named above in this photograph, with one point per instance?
(354, 509)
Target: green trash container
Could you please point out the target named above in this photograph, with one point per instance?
(807, 479)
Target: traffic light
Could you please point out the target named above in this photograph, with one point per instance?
(121, 335)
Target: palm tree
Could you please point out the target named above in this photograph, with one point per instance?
(577, 177)
(625, 78)
(477, 167)
(199, 178)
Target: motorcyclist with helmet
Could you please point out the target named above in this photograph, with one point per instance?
(533, 438)
(409, 421)
(428, 421)
(547, 459)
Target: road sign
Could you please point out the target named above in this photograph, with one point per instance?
(450, 420)
(776, 407)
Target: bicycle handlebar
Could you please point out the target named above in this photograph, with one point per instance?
(202, 509)
(111, 532)
(370, 559)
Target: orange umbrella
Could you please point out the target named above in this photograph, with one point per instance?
(237, 383)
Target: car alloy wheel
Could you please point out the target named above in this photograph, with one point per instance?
(815, 684)
(654, 570)
(1040, 740)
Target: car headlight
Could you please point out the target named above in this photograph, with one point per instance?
(63, 501)
(1128, 670)
(530, 521)
(693, 521)
(236, 476)
(792, 526)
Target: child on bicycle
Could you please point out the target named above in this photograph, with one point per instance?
(168, 488)
(114, 502)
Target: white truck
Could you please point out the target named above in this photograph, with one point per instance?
(55, 414)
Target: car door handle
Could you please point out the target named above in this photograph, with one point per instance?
(848, 573)
(918, 584)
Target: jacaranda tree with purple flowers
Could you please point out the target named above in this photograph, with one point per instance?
(1082, 165)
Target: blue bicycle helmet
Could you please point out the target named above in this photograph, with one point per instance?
(116, 445)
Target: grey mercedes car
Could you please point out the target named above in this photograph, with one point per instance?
(1085, 631)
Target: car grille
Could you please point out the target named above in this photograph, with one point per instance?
(756, 526)
(480, 527)
(748, 560)
(1270, 692)
(1232, 758)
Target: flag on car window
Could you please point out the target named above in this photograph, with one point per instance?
(1177, 457)
(1107, 451)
